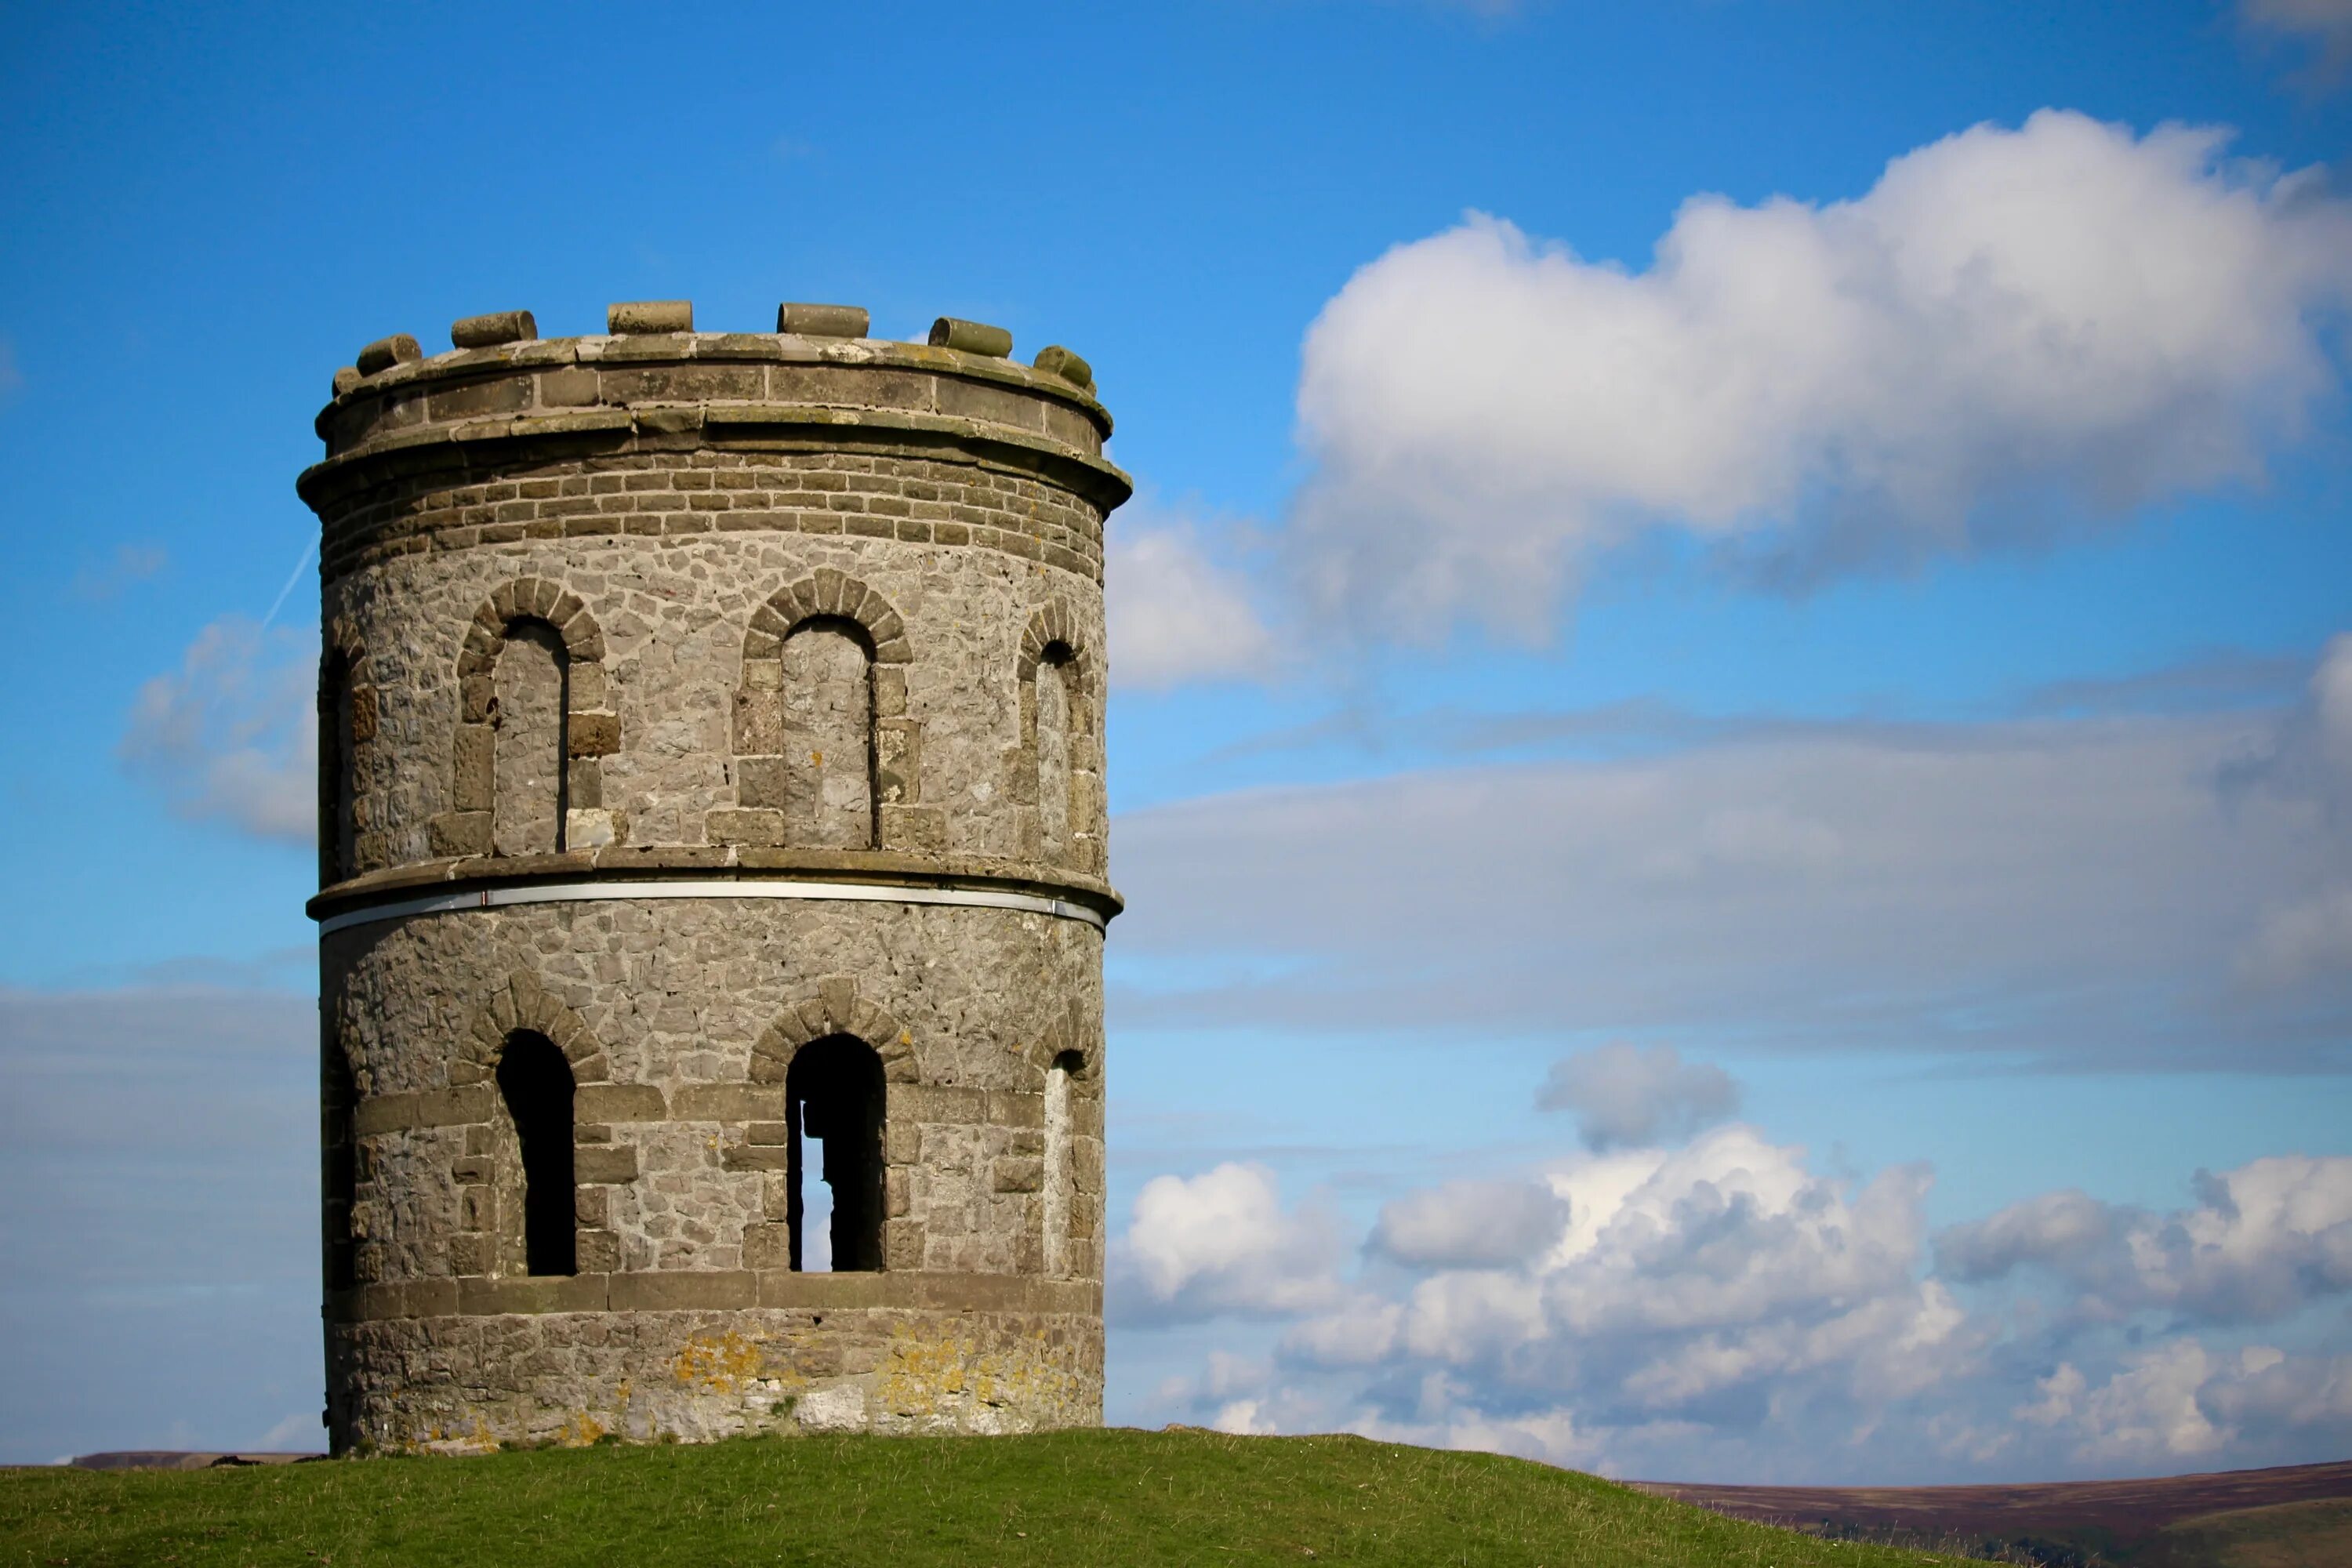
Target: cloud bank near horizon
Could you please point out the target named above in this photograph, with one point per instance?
(1718, 1306)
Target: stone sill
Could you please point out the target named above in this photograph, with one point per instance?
(670, 1290)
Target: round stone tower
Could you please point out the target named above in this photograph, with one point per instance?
(712, 882)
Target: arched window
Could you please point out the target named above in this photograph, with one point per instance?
(535, 1081)
(338, 769)
(834, 1092)
(1055, 677)
(532, 720)
(828, 703)
(339, 1160)
(1061, 1164)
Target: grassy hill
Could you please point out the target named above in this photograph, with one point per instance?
(1093, 1498)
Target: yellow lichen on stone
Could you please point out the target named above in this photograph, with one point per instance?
(717, 1363)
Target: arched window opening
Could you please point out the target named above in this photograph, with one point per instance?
(338, 769)
(834, 1090)
(339, 1161)
(1061, 1164)
(531, 715)
(1055, 703)
(828, 691)
(535, 1080)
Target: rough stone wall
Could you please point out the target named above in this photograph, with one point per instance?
(686, 604)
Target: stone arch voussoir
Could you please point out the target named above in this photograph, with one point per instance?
(835, 1009)
(521, 1004)
(1067, 1031)
(826, 594)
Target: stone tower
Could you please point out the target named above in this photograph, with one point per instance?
(712, 882)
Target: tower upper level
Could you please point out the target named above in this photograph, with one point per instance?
(661, 601)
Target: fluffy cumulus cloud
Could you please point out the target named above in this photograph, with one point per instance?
(231, 735)
(1177, 613)
(1470, 1224)
(1219, 1243)
(2141, 888)
(2010, 328)
(1719, 1306)
(2264, 1242)
(1624, 1093)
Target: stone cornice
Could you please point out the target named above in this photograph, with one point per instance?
(617, 866)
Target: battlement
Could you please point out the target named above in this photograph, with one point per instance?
(654, 382)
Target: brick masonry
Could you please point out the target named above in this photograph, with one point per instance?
(669, 511)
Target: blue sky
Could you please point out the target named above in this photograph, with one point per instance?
(1904, 744)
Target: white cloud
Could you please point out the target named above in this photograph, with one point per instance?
(2011, 327)
(1470, 1223)
(2264, 1241)
(1723, 1308)
(231, 735)
(1624, 1094)
(2062, 890)
(1176, 615)
(1221, 1242)
(2307, 935)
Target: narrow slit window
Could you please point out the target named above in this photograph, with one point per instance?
(534, 678)
(1054, 703)
(339, 1164)
(1061, 1164)
(834, 1157)
(339, 769)
(535, 1080)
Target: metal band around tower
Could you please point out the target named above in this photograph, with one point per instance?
(604, 891)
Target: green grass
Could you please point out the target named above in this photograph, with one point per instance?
(2315, 1535)
(1092, 1497)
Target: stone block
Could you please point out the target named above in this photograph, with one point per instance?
(459, 833)
(762, 782)
(615, 1164)
(1055, 359)
(759, 723)
(593, 735)
(617, 1102)
(823, 320)
(939, 1103)
(384, 353)
(728, 1103)
(915, 829)
(732, 825)
(766, 1246)
(473, 1255)
(489, 332)
(599, 1252)
(637, 316)
(971, 337)
(474, 788)
(680, 1289)
(1016, 1174)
